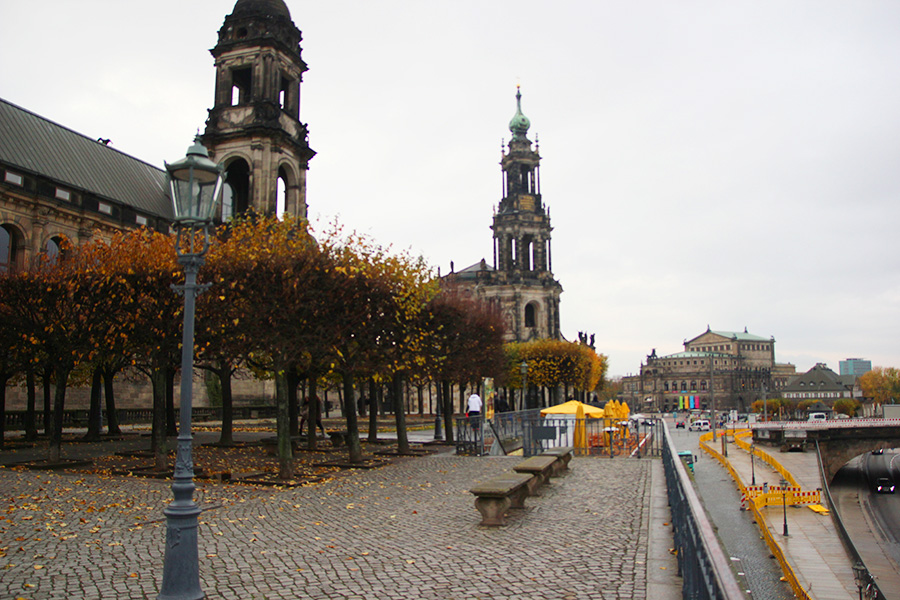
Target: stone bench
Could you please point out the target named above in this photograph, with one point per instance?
(498, 494)
(563, 456)
(338, 438)
(539, 466)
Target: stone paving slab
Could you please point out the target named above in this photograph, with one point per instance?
(406, 531)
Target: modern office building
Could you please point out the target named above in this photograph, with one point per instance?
(855, 366)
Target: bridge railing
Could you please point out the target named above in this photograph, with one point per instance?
(706, 573)
(830, 424)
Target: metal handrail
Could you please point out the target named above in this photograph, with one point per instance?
(706, 573)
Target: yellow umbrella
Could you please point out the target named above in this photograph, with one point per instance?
(580, 433)
(571, 408)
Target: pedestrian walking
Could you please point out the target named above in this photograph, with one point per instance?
(304, 412)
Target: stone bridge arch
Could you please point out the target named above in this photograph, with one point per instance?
(840, 446)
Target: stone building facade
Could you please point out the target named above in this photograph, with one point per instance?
(519, 283)
(821, 383)
(717, 369)
(57, 184)
(254, 127)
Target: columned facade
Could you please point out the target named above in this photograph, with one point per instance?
(718, 369)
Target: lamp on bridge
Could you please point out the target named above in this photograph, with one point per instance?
(752, 465)
(524, 370)
(859, 575)
(784, 484)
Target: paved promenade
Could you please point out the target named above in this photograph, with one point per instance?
(406, 531)
(813, 546)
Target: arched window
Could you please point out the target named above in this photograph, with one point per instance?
(7, 249)
(530, 315)
(684, 386)
(693, 385)
(280, 193)
(54, 250)
(666, 386)
(236, 191)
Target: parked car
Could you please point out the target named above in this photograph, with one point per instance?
(883, 485)
(679, 425)
(817, 416)
(699, 425)
(878, 451)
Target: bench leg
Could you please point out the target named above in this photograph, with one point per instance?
(533, 484)
(518, 497)
(492, 510)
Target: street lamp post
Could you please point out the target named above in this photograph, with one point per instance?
(524, 370)
(195, 183)
(438, 417)
(784, 484)
(752, 465)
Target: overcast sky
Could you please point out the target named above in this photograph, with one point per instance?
(730, 164)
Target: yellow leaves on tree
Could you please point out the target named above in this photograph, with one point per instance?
(554, 362)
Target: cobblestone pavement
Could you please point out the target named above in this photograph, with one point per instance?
(737, 530)
(406, 531)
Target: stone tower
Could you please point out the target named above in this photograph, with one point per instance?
(254, 127)
(520, 284)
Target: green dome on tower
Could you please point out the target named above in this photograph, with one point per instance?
(519, 124)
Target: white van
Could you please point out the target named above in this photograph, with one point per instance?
(699, 425)
(817, 417)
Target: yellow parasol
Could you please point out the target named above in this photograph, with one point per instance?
(580, 440)
(571, 408)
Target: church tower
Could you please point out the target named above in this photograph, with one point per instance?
(254, 127)
(520, 284)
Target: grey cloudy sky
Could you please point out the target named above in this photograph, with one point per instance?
(731, 164)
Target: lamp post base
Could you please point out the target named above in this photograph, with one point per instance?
(181, 572)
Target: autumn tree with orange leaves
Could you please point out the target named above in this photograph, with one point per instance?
(275, 281)
(555, 363)
(463, 343)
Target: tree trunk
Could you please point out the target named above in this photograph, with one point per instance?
(226, 437)
(313, 415)
(158, 378)
(446, 401)
(3, 380)
(373, 411)
(48, 411)
(292, 380)
(352, 424)
(54, 450)
(95, 415)
(400, 412)
(171, 425)
(30, 416)
(112, 417)
(283, 426)
(294, 404)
